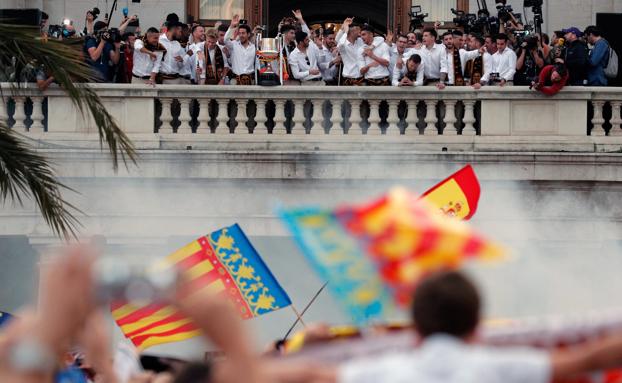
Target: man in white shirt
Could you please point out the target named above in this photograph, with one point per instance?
(431, 55)
(330, 60)
(173, 60)
(374, 58)
(455, 60)
(303, 61)
(411, 72)
(446, 314)
(503, 62)
(147, 58)
(211, 63)
(400, 53)
(349, 44)
(477, 71)
(243, 53)
(196, 44)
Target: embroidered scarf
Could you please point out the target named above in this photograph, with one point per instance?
(458, 77)
(475, 69)
(211, 77)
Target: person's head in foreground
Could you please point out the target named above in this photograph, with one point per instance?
(446, 303)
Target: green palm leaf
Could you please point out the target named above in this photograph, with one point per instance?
(64, 61)
(24, 171)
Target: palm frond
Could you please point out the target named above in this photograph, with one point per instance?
(64, 61)
(23, 171)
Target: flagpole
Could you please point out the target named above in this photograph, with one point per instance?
(299, 317)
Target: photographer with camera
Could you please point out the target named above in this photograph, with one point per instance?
(529, 62)
(102, 50)
(91, 16)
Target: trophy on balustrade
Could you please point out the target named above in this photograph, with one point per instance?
(269, 60)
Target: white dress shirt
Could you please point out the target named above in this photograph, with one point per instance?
(143, 64)
(202, 63)
(398, 74)
(446, 359)
(487, 68)
(329, 72)
(190, 64)
(242, 57)
(380, 49)
(504, 63)
(300, 66)
(350, 56)
(173, 49)
(449, 63)
(432, 58)
(394, 55)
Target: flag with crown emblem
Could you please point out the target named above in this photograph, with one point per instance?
(372, 255)
(223, 262)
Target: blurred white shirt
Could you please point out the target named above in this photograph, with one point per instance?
(445, 359)
(173, 49)
(380, 49)
(504, 64)
(143, 64)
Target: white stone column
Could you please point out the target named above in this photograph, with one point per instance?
(412, 118)
(355, 118)
(616, 119)
(223, 116)
(393, 119)
(4, 115)
(598, 119)
(37, 114)
(279, 118)
(203, 118)
(374, 118)
(298, 119)
(430, 118)
(317, 118)
(336, 118)
(167, 116)
(184, 116)
(469, 118)
(242, 117)
(20, 113)
(260, 117)
(450, 118)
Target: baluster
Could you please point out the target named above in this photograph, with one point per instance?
(298, 119)
(279, 118)
(412, 119)
(260, 118)
(37, 114)
(598, 120)
(242, 117)
(336, 118)
(4, 114)
(393, 119)
(203, 118)
(184, 116)
(430, 118)
(20, 113)
(469, 118)
(167, 116)
(616, 119)
(450, 118)
(355, 119)
(223, 116)
(317, 118)
(374, 118)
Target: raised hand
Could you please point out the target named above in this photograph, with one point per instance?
(390, 36)
(235, 20)
(297, 14)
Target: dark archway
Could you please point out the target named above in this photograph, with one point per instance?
(374, 12)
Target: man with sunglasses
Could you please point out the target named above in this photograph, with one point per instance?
(303, 61)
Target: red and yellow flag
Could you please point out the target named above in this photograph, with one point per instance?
(223, 262)
(458, 195)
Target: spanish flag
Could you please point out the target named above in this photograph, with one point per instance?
(223, 262)
(458, 195)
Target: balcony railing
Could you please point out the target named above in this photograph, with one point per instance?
(406, 113)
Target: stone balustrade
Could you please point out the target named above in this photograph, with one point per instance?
(325, 111)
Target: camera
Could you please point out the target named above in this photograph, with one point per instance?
(243, 22)
(504, 12)
(530, 42)
(464, 20)
(416, 18)
(112, 35)
(95, 12)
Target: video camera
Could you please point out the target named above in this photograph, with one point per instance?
(416, 18)
(504, 11)
(112, 35)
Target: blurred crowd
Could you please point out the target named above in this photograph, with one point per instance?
(352, 55)
(66, 339)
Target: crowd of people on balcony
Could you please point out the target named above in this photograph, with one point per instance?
(353, 55)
